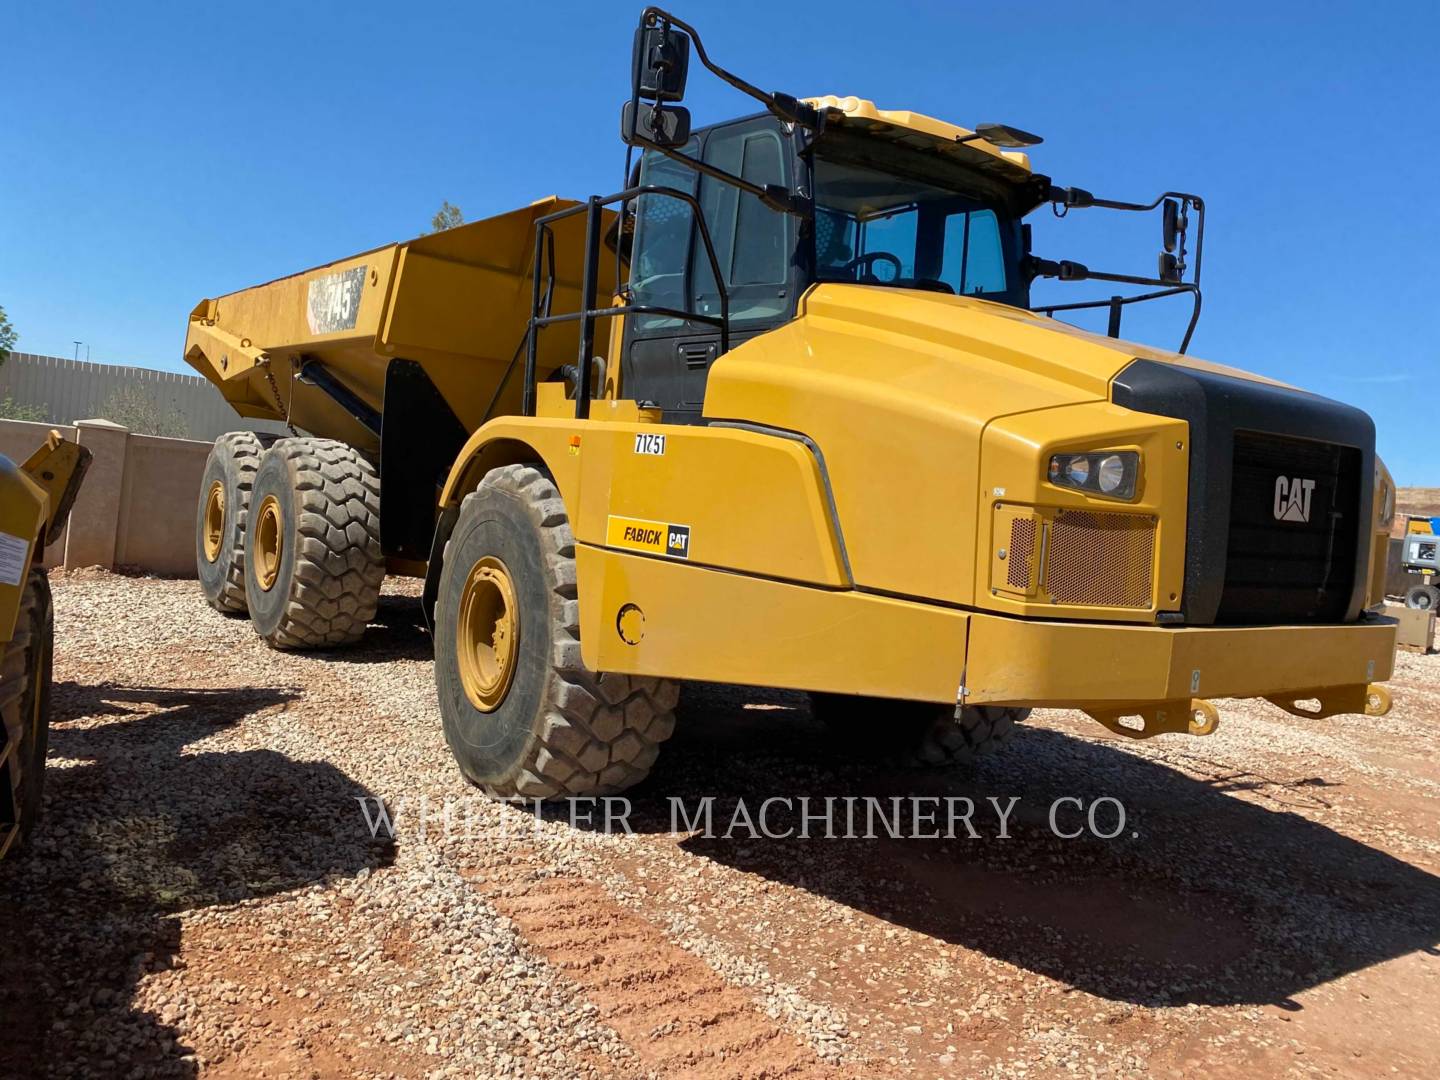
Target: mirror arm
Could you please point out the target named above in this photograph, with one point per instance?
(1066, 270)
(1080, 198)
(1199, 205)
(787, 108)
(1123, 279)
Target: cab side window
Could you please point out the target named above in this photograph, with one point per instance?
(752, 242)
(663, 229)
(974, 261)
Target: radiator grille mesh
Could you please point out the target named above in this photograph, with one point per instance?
(1100, 559)
(1022, 550)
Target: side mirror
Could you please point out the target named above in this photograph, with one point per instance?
(1171, 226)
(660, 62)
(646, 123)
(1169, 268)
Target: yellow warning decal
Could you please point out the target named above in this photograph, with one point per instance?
(654, 537)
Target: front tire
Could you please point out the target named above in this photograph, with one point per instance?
(916, 734)
(312, 541)
(522, 714)
(25, 676)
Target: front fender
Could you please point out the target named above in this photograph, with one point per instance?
(508, 440)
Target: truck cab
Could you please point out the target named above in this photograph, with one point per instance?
(886, 213)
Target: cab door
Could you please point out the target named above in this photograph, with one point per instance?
(665, 360)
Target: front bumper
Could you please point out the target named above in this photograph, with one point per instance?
(1109, 670)
(714, 626)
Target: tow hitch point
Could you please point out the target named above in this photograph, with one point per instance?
(1366, 699)
(1195, 716)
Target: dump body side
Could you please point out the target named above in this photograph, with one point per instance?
(456, 303)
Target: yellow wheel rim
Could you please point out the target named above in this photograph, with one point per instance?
(488, 634)
(214, 520)
(269, 543)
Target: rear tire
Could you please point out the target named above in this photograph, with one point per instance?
(220, 519)
(522, 714)
(1423, 598)
(312, 538)
(915, 734)
(25, 676)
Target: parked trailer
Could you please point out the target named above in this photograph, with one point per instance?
(828, 443)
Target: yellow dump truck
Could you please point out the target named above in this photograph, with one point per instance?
(35, 500)
(782, 413)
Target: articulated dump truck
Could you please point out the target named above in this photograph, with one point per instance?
(782, 413)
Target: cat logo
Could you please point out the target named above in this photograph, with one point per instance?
(1292, 498)
(653, 537)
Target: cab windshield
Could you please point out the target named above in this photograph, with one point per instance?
(879, 227)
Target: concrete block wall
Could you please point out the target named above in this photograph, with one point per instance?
(158, 504)
(137, 505)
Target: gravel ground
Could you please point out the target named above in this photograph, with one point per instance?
(206, 896)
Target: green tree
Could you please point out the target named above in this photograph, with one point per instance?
(8, 336)
(133, 408)
(10, 409)
(447, 217)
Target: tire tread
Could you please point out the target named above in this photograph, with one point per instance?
(600, 733)
(18, 671)
(338, 570)
(244, 449)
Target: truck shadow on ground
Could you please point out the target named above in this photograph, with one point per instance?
(397, 632)
(136, 832)
(1203, 898)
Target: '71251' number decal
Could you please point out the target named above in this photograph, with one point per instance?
(649, 443)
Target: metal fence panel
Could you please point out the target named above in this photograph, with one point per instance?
(70, 390)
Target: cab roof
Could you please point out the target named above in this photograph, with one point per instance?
(922, 132)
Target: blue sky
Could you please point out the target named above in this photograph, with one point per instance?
(156, 154)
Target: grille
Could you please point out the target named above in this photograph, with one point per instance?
(1291, 557)
(1022, 549)
(1100, 559)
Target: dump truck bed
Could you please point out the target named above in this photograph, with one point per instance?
(455, 302)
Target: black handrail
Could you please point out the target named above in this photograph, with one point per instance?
(1116, 303)
(588, 313)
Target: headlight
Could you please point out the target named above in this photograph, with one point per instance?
(1112, 475)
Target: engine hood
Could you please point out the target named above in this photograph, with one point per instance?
(1028, 342)
(895, 390)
